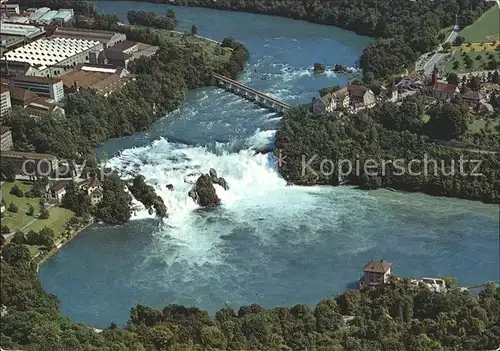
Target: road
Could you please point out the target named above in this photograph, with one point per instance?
(427, 64)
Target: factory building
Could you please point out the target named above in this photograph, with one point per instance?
(51, 57)
(107, 39)
(48, 88)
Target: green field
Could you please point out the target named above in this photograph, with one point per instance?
(207, 47)
(15, 221)
(486, 28)
(477, 65)
(479, 124)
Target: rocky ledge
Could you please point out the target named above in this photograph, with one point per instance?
(146, 194)
(203, 193)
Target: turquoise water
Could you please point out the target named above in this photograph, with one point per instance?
(268, 243)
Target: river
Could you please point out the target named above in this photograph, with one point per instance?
(268, 243)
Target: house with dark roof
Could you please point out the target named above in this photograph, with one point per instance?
(444, 91)
(93, 187)
(113, 57)
(331, 101)
(375, 272)
(22, 97)
(471, 98)
(126, 46)
(360, 97)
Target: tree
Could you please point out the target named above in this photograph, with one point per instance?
(4, 229)
(32, 238)
(19, 238)
(76, 199)
(115, 205)
(16, 191)
(475, 83)
(452, 78)
(194, 30)
(448, 121)
(7, 170)
(46, 237)
(13, 253)
(44, 213)
(31, 210)
(447, 46)
(13, 208)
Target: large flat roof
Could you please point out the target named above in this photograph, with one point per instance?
(19, 29)
(39, 13)
(102, 36)
(49, 51)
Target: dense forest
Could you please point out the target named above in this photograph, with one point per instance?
(310, 145)
(394, 317)
(404, 29)
(151, 19)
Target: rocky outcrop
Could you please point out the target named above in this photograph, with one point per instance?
(217, 180)
(319, 67)
(146, 194)
(203, 193)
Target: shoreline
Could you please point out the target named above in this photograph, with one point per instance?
(60, 246)
(188, 4)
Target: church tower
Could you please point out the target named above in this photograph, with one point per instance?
(435, 74)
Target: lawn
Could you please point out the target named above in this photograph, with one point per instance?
(486, 28)
(478, 124)
(57, 221)
(15, 221)
(18, 220)
(477, 65)
(206, 47)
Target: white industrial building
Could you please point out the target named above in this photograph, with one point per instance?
(10, 9)
(20, 30)
(35, 16)
(50, 57)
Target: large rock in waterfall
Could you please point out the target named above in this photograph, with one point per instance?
(203, 193)
(319, 67)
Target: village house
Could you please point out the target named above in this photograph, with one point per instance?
(376, 272)
(331, 101)
(360, 97)
(56, 191)
(471, 98)
(93, 188)
(394, 94)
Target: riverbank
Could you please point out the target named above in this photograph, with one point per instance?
(41, 258)
(398, 45)
(367, 151)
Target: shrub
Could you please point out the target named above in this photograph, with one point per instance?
(13, 208)
(31, 210)
(16, 191)
(4, 229)
(44, 213)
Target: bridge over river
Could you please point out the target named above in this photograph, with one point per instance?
(251, 94)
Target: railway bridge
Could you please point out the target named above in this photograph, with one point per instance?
(251, 94)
